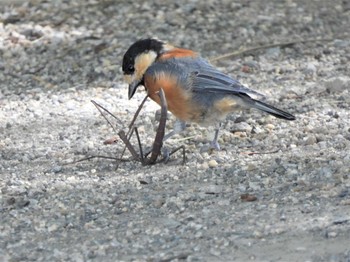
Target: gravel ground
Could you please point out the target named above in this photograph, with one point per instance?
(277, 191)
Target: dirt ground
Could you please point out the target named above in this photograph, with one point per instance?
(57, 56)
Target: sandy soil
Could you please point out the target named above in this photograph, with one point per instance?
(57, 56)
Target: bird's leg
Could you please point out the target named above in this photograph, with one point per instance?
(179, 126)
(214, 144)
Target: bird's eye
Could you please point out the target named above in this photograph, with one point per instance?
(131, 69)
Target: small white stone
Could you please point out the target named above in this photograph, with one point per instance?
(212, 163)
(332, 234)
(270, 126)
(204, 166)
(52, 228)
(310, 140)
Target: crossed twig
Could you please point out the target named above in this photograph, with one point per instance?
(158, 140)
(157, 146)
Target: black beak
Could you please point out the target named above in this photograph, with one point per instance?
(132, 88)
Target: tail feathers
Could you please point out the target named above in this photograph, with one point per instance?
(272, 110)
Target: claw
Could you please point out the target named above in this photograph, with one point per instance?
(165, 154)
(215, 145)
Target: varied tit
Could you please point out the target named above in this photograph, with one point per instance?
(195, 90)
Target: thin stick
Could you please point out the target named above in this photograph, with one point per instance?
(92, 157)
(260, 153)
(127, 143)
(137, 113)
(139, 142)
(184, 138)
(183, 153)
(253, 49)
(130, 131)
(99, 107)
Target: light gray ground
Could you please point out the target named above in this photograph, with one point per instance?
(56, 56)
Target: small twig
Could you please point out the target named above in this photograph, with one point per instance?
(137, 113)
(260, 153)
(158, 140)
(183, 153)
(130, 131)
(184, 138)
(92, 157)
(127, 143)
(257, 48)
(99, 107)
(139, 142)
(181, 256)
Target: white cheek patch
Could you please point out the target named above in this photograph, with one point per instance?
(143, 62)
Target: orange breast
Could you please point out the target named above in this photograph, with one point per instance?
(178, 99)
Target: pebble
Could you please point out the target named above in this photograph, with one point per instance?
(240, 134)
(340, 43)
(52, 227)
(212, 189)
(273, 53)
(332, 234)
(310, 70)
(300, 249)
(204, 166)
(310, 140)
(337, 84)
(257, 130)
(270, 126)
(159, 201)
(242, 127)
(56, 169)
(212, 163)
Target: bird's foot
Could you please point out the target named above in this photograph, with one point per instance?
(165, 153)
(213, 146)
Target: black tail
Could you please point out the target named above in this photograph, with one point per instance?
(271, 110)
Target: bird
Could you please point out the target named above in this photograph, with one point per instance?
(195, 91)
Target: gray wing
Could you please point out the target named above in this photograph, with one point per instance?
(201, 77)
(209, 79)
